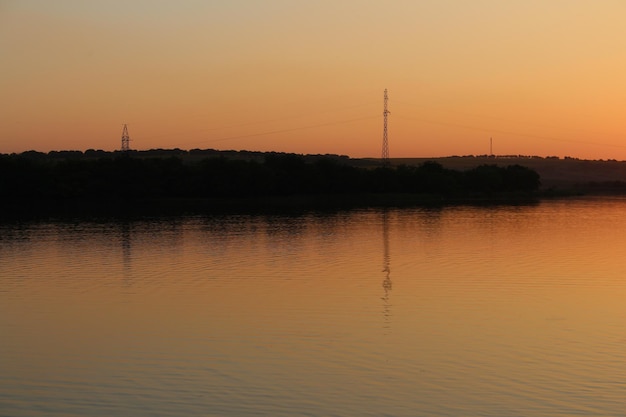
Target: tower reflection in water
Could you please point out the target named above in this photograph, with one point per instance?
(125, 236)
(387, 284)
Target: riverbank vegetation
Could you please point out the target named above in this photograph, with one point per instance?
(130, 178)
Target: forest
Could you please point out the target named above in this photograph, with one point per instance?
(30, 179)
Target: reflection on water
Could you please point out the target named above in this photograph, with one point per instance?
(493, 311)
(387, 284)
(126, 243)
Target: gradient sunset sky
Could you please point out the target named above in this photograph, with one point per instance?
(544, 78)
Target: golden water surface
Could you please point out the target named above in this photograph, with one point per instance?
(497, 311)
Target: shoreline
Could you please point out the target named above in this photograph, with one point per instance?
(267, 205)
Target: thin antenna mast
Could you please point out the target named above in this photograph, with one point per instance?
(385, 156)
(125, 139)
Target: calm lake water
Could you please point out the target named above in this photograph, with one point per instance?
(460, 311)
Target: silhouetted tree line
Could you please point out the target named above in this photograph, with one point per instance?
(119, 176)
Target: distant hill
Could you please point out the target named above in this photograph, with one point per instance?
(586, 176)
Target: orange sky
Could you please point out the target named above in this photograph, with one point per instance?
(541, 78)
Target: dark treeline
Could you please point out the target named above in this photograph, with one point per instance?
(118, 176)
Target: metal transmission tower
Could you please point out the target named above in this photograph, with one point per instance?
(125, 139)
(386, 112)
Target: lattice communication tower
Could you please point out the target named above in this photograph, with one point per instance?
(385, 156)
(125, 139)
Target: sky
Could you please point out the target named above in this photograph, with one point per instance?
(530, 77)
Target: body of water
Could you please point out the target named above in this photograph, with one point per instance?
(496, 311)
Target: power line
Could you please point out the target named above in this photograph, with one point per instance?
(511, 133)
(260, 122)
(281, 130)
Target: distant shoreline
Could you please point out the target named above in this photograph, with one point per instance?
(177, 182)
(259, 205)
(568, 173)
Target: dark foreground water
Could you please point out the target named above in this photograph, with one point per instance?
(507, 311)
